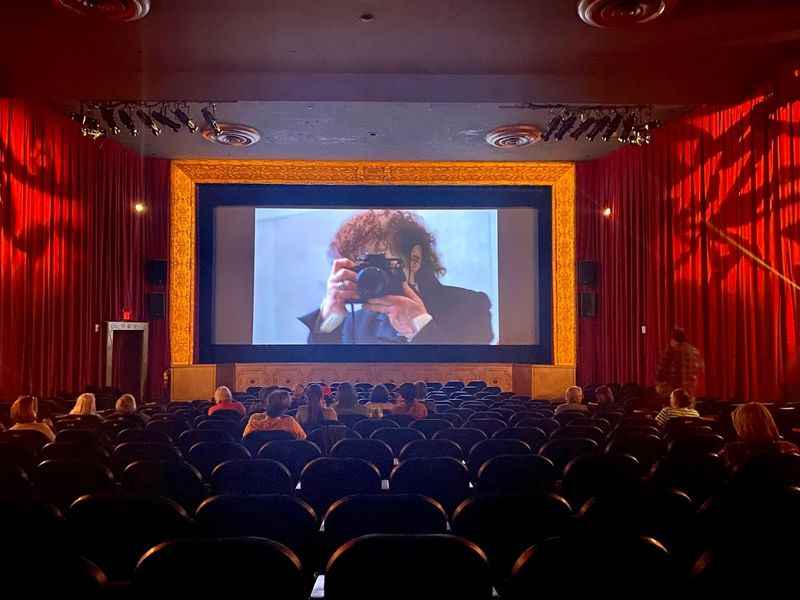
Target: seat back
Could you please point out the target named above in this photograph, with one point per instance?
(194, 436)
(517, 474)
(443, 479)
(327, 436)
(465, 437)
(397, 437)
(252, 476)
(562, 451)
(533, 436)
(292, 454)
(61, 482)
(374, 451)
(429, 427)
(125, 454)
(487, 449)
(326, 480)
(431, 449)
(254, 440)
(142, 435)
(593, 475)
(207, 455)
(173, 479)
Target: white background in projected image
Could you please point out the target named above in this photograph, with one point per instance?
(292, 263)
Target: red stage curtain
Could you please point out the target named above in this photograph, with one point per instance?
(705, 234)
(72, 250)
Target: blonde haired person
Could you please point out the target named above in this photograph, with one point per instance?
(223, 400)
(85, 405)
(24, 412)
(126, 404)
(681, 404)
(758, 435)
(574, 401)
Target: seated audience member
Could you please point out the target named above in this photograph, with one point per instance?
(408, 403)
(316, 411)
(375, 411)
(275, 418)
(223, 400)
(604, 397)
(347, 401)
(574, 401)
(379, 395)
(126, 405)
(85, 405)
(421, 391)
(758, 435)
(298, 396)
(681, 404)
(24, 412)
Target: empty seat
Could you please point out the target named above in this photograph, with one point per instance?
(488, 414)
(207, 455)
(647, 449)
(293, 454)
(561, 452)
(194, 436)
(350, 420)
(444, 567)
(173, 479)
(326, 480)
(184, 568)
(429, 427)
(546, 424)
(487, 426)
(114, 532)
(431, 449)
(592, 475)
(533, 436)
(254, 440)
(374, 451)
(367, 427)
(699, 475)
(252, 476)
(233, 427)
(327, 436)
(82, 437)
(169, 427)
(483, 451)
(60, 482)
(397, 437)
(600, 423)
(402, 420)
(75, 451)
(767, 471)
(129, 452)
(504, 526)
(576, 431)
(696, 445)
(465, 437)
(519, 474)
(451, 417)
(281, 518)
(445, 480)
(18, 455)
(142, 435)
(14, 483)
(32, 441)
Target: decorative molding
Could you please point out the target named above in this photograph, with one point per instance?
(186, 174)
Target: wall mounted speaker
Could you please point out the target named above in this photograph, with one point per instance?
(156, 305)
(588, 271)
(155, 272)
(588, 304)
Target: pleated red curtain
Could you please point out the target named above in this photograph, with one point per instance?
(72, 250)
(705, 235)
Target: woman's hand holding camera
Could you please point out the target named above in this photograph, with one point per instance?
(341, 288)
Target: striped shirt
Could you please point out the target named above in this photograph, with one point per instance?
(668, 413)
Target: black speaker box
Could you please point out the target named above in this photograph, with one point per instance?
(588, 273)
(155, 272)
(156, 305)
(588, 304)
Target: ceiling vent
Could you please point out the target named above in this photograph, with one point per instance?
(619, 14)
(232, 134)
(513, 136)
(118, 11)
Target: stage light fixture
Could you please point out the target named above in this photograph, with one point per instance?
(582, 128)
(607, 212)
(108, 116)
(166, 121)
(551, 128)
(148, 122)
(627, 129)
(566, 125)
(599, 126)
(612, 127)
(186, 120)
(208, 115)
(139, 207)
(128, 122)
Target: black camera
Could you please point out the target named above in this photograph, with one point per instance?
(379, 276)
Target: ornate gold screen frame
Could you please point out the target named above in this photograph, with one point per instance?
(186, 174)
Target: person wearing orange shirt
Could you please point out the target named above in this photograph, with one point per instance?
(275, 419)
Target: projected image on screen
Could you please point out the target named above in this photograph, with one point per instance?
(379, 276)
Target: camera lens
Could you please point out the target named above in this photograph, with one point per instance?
(371, 283)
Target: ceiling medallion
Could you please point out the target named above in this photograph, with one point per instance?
(616, 14)
(232, 134)
(118, 11)
(513, 136)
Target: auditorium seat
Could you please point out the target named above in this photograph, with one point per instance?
(233, 427)
(230, 415)
(142, 435)
(169, 427)
(647, 449)
(444, 566)
(221, 567)
(431, 449)
(194, 436)
(487, 426)
(429, 426)
(401, 420)
(325, 480)
(566, 417)
(350, 420)
(768, 471)
(488, 414)
(367, 427)
(293, 454)
(75, 451)
(282, 518)
(173, 479)
(129, 452)
(53, 571)
(90, 438)
(699, 475)
(254, 440)
(354, 516)
(451, 417)
(504, 526)
(374, 451)
(483, 451)
(696, 444)
(114, 532)
(465, 437)
(397, 437)
(207, 455)
(646, 565)
(533, 436)
(464, 413)
(592, 475)
(252, 476)
(15, 454)
(576, 431)
(445, 480)
(517, 474)
(562, 451)
(15, 485)
(32, 441)
(327, 436)
(60, 482)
